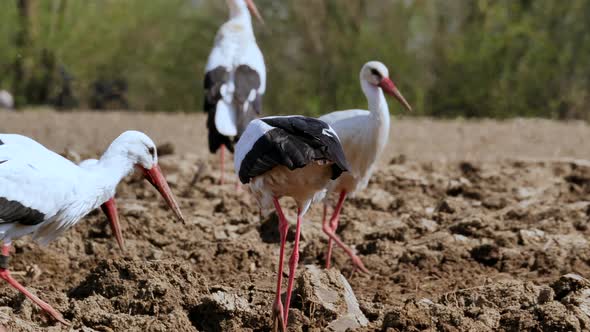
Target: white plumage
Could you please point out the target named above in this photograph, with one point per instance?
(109, 207)
(44, 194)
(6, 100)
(235, 45)
(44, 181)
(63, 192)
(364, 135)
(235, 78)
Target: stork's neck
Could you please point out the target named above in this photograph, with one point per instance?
(113, 167)
(240, 22)
(100, 180)
(97, 182)
(377, 103)
(238, 9)
(379, 113)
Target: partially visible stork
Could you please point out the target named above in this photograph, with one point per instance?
(44, 194)
(364, 135)
(6, 100)
(291, 156)
(235, 79)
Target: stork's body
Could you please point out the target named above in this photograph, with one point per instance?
(235, 79)
(364, 135)
(56, 192)
(291, 156)
(44, 194)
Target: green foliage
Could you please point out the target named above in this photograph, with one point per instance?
(508, 58)
(471, 58)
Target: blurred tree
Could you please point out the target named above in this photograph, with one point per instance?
(34, 66)
(24, 61)
(512, 58)
(472, 58)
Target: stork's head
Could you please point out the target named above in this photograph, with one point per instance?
(141, 151)
(375, 73)
(139, 148)
(241, 6)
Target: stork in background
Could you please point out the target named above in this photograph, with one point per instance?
(235, 79)
(6, 100)
(44, 194)
(292, 156)
(364, 135)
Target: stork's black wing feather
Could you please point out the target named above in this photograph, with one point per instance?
(247, 79)
(13, 211)
(294, 142)
(317, 134)
(214, 79)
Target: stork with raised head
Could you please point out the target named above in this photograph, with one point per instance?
(364, 135)
(292, 156)
(44, 194)
(235, 79)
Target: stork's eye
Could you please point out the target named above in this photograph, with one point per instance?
(152, 151)
(375, 72)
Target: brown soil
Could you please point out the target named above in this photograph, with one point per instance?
(466, 226)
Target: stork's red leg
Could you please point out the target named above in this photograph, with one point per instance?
(222, 164)
(5, 274)
(110, 209)
(277, 307)
(293, 265)
(330, 230)
(329, 251)
(333, 225)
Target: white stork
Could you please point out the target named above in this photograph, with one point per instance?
(364, 135)
(44, 194)
(235, 79)
(6, 100)
(291, 156)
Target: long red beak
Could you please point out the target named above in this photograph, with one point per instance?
(388, 87)
(156, 178)
(254, 11)
(110, 209)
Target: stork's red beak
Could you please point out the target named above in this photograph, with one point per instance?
(110, 209)
(254, 11)
(156, 178)
(389, 87)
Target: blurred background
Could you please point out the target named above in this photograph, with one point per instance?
(461, 58)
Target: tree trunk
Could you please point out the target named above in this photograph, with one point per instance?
(25, 58)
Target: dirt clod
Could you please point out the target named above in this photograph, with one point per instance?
(487, 254)
(329, 300)
(165, 149)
